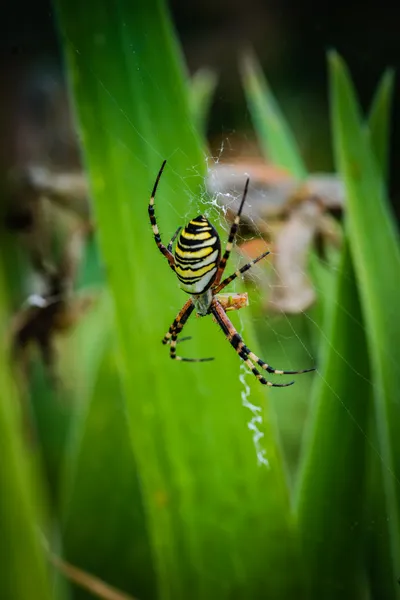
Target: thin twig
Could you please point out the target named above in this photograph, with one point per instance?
(87, 581)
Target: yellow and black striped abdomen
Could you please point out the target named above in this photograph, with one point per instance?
(197, 255)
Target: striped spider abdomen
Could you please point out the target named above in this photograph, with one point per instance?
(197, 255)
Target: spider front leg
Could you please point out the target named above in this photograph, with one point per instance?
(176, 328)
(169, 247)
(165, 251)
(239, 272)
(231, 239)
(244, 352)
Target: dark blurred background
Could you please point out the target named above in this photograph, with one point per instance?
(289, 37)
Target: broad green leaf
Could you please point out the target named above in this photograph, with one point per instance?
(276, 138)
(375, 251)
(218, 522)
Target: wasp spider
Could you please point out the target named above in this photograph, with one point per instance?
(198, 264)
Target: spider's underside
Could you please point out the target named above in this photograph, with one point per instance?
(199, 267)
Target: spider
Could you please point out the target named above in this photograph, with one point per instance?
(199, 267)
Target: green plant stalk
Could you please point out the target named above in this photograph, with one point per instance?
(218, 522)
(373, 238)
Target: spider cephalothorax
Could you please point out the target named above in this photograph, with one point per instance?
(199, 267)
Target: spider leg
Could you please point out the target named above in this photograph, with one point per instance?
(244, 352)
(169, 247)
(167, 253)
(175, 329)
(179, 341)
(239, 272)
(231, 238)
(177, 323)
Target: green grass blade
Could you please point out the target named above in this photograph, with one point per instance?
(379, 552)
(376, 255)
(218, 523)
(23, 568)
(276, 138)
(201, 93)
(331, 492)
(341, 412)
(379, 121)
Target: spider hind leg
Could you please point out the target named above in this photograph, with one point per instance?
(172, 352)
(244, 352)
(171, 337)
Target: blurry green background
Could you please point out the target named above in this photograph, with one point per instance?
(290, 39)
